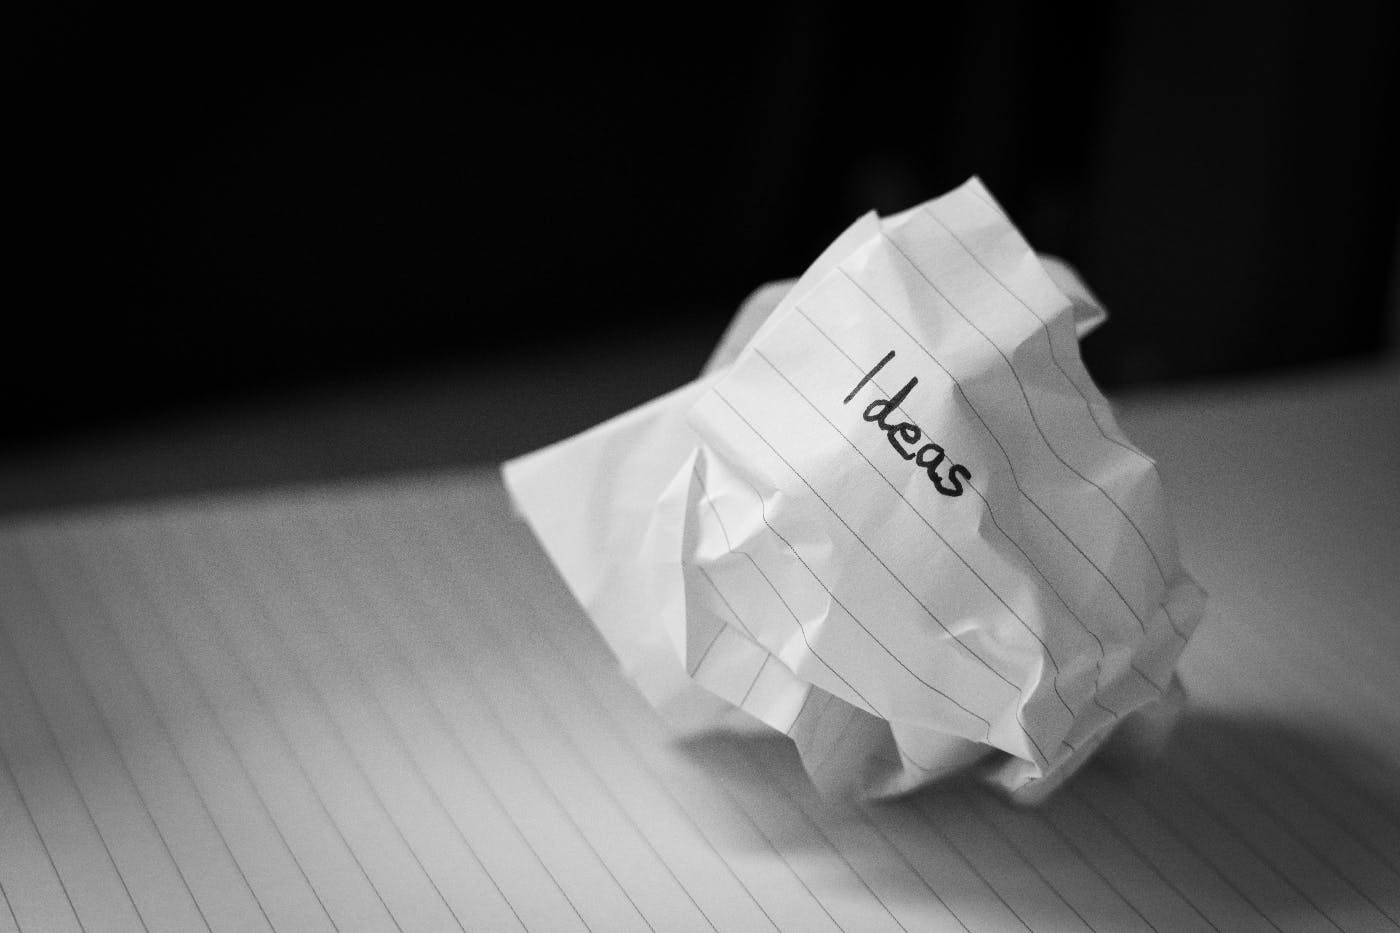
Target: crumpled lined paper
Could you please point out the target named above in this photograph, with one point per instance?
(894, 520)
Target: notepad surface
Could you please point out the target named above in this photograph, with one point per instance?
(376, 708)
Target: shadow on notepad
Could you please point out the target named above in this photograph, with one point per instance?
(1234, 825)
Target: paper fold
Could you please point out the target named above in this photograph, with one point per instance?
(895, 520)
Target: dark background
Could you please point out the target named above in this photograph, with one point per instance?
(232, 204)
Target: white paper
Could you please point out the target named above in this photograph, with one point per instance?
(375, 708)
(981, 575)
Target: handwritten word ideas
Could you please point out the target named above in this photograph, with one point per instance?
(904, 435)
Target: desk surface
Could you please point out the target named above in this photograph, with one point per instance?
(1286, 497)
(373, 706)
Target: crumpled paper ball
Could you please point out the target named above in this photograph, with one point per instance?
(894, 520)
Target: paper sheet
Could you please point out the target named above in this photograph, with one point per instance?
(895, 521)
(375, 708)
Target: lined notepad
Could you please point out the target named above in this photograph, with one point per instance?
(377, 708)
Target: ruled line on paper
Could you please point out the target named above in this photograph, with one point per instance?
(882, 645)
(410, 891)
(875, 876)
(9, 910)
(562, 733)
(225, 727)
(860, 848)
(1010, 462)
(750, 814)
(1252, 817)
(992, 510)
(939, 535)
(1080, 379)
(444, 725)
(1178, 859)
(205, 756)
(1042, 844)
(388, 628)
(399, 724)
(991, 835)
(1245, 865)
(578, 751)
(179, 819)
(8, 648)
(31, 890)
(590, 689)
(506, 731)
(962, 856)
(397, 785)
(1030, 409)
(270, 738)
(1347, 808)
(867, 880)
(1117, 857)
(278, 870)
(543, 688)
(768, 581)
